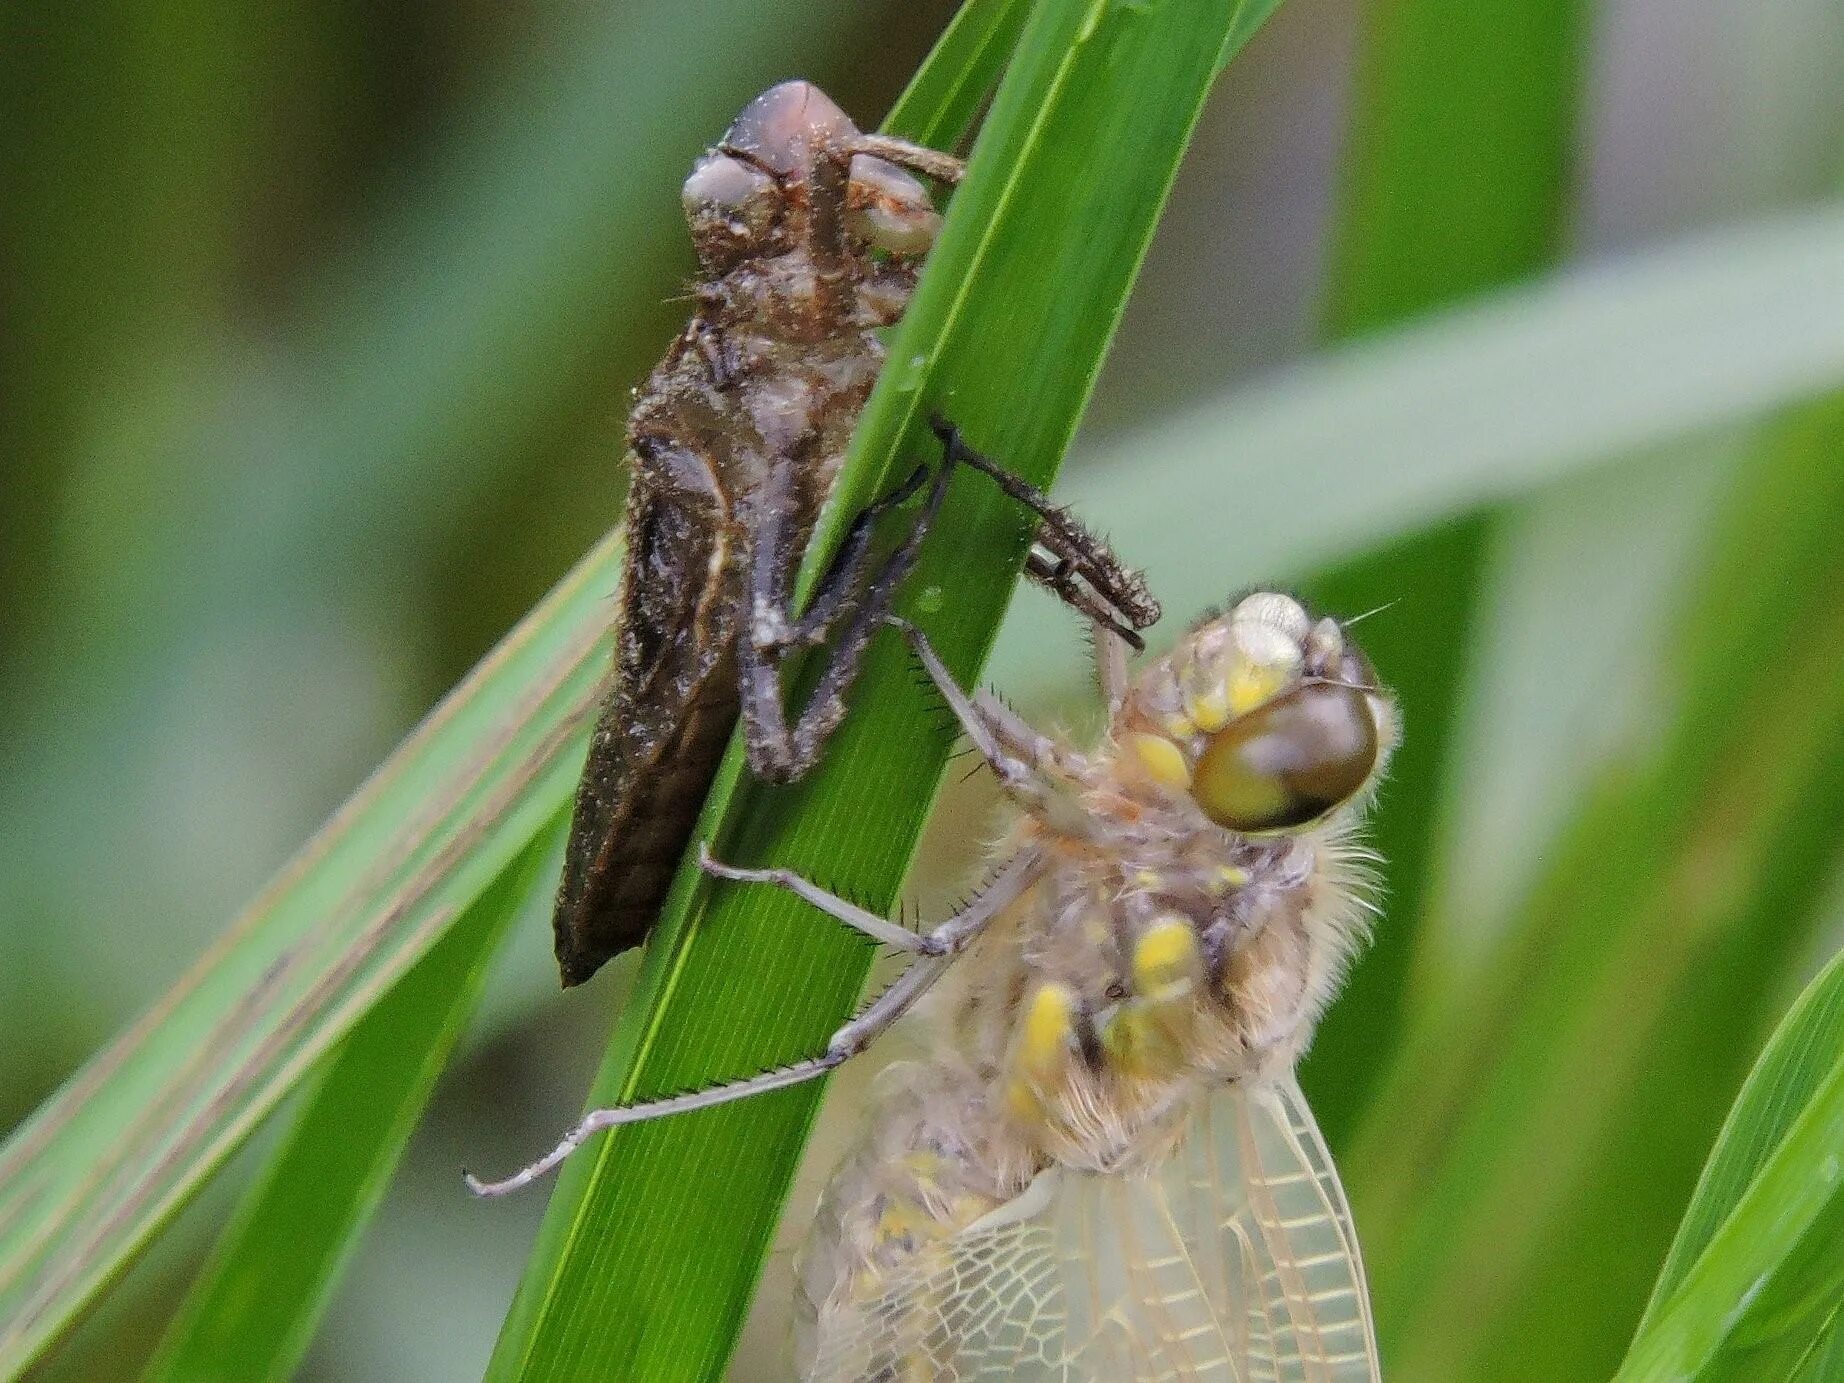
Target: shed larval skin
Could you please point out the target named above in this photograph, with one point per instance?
(1104, 1169)
(805, 248)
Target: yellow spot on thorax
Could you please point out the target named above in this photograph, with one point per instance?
(1165, 960)
(1161, 760)
(1049, 1032)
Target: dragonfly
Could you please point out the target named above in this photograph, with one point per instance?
(809, 236)
(1104, 1168)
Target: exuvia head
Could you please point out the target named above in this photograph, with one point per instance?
(1267, 719)
(739, 196)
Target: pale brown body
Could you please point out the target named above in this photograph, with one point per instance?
(735, 442)
(1154, 964)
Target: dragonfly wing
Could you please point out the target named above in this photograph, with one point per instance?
(1232, 1261)
(986, 1305)
(1308, 1303)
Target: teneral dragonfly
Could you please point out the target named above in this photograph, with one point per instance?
(809, 236)
(1105, 1169)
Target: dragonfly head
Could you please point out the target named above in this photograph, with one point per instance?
(1269, 719)
(738, 197)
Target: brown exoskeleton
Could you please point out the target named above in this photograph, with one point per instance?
(810, 236)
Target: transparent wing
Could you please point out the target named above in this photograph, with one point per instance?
(1234, 1261)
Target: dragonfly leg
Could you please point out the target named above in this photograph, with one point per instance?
(596, 1120)
(858, 919)
(1075, 565)
(1110, 667)
(853, 595)
(1024, 759)
(934, 949)
(946, 938)
(846, 1043)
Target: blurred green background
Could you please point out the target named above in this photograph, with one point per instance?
(319, 326)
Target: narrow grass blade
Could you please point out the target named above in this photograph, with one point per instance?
(253, 1311)
(944, 98)
(1578, 1085)
(101, 1166)
(1752, 1286)
(646, 1260)
(1824, 1362)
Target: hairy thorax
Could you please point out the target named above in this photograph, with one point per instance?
(1159, 956)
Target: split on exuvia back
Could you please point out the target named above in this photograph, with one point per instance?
(1103, 1168)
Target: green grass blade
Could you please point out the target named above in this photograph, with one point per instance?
(1457, 175)
(1455, 182)
(102, 1165)
(647, 1257)
(941, 102)
(1577, 1085)
(1824, 1362)
(1752, 1285)
(1803, 1052)
(253, 1311)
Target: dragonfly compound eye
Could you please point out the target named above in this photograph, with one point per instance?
(889, 210)
(731, 207)
(1290, 761)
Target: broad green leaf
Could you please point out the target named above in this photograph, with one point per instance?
(646, 1260)
(1752, 1286)
(253, 1311)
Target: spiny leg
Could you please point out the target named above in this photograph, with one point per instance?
(850, 574)
(1060, 576)
(1017, 752)
(777, 751)
(944, 939)
(596, 1120)
(935, 949)
(1030, 766)
(917, 158)
(1115, 594)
